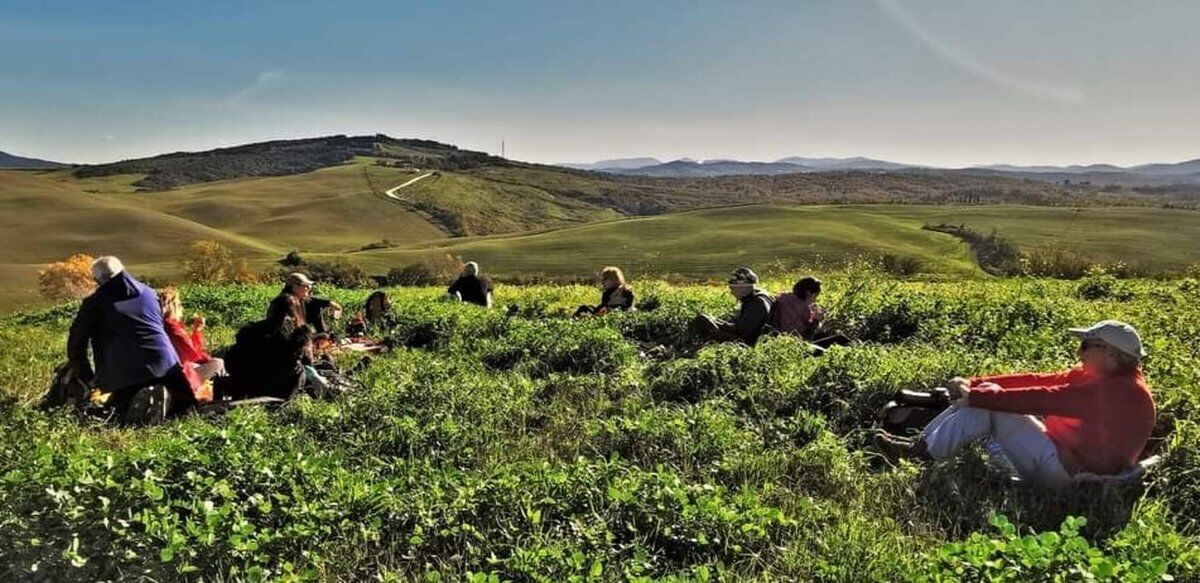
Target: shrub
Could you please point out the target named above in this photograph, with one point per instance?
(70, 279)
(433, 268)
(292, 259)
(903, 265)
(1062, 555)
(338, 273)
(1054, 261)
(1100, 284)
(210, 262)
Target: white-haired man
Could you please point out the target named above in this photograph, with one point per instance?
(471, 288)
(1093, 418)
(123, 324)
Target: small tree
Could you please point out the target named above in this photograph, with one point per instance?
(211, 262)
(433, 268)
(67, 280)
(293, 259)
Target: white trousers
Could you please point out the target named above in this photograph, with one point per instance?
(1022, 437)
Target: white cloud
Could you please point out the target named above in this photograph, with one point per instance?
(263, 81)
(959, 58)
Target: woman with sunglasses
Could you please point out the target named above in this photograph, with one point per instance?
(1095, 417)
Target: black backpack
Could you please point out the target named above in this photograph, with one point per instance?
(66, 390)
(377, 310)
(910, 411)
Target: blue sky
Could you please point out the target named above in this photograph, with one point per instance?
(945, 83)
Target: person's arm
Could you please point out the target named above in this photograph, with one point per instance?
(185, 346)
(489, 298)
(321, 303)
(1019, 380)
(77, 343)
(751, 319)
(455, 289)
(816, 316)
(1066, 399)
(627, 303)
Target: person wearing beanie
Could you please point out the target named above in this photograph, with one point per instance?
(1094, 418)
(754, 312)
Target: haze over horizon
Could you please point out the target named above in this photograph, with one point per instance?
(913, 81)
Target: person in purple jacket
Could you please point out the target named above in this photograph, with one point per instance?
(123, 323)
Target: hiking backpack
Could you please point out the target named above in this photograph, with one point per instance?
(908, 412)
(66, 390)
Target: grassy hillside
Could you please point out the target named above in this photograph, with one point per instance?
(534, 447)
(44, 220)
(708, 243)
(341, 207)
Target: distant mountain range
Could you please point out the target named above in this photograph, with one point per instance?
(9, 161)
(686, 167)
(1187, 172)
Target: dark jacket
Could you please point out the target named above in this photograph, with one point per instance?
(124, 325)
(617, 298)
(266, 360)
(314, 307)
(753, 314)
(471, 289)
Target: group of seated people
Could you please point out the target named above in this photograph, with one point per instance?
(472, 287)
(138, 339)
(1094, 418)
(795, 313)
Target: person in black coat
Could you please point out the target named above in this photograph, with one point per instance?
(268, 356)
(471, 288)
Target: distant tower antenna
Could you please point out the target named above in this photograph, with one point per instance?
(501, 147)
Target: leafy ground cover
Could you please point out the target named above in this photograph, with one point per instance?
(528, 446)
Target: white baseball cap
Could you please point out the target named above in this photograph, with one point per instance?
(1117, 334)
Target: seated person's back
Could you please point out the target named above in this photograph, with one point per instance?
(472, 288)
(123, 324)
(267, 357)
(796, 312)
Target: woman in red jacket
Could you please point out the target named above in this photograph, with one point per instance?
(198, 365)
(1094, 418)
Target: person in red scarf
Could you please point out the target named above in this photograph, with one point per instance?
(1094, 418)
(198, 365)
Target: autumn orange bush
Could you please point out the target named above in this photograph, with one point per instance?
(70, 279)
(211, 262)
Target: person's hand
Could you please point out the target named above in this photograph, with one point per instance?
(959, 387)
(197, 321)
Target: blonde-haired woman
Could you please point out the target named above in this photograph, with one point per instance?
(615, 295)
(198, 365)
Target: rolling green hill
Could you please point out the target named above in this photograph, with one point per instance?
(330, 197)
(708, 243)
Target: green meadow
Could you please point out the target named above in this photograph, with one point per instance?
(532, 447)
(706, 244)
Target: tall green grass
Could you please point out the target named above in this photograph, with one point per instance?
(534, 447)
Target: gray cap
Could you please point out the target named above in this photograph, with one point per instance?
(1117, 334)
(298, 279)
(743, 276)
